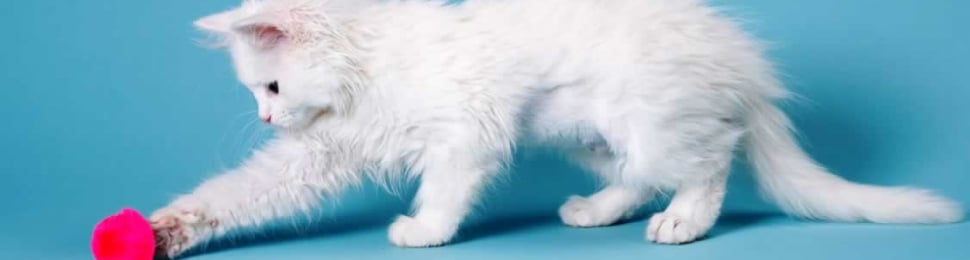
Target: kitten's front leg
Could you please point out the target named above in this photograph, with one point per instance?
(277, 182)
(449, 186)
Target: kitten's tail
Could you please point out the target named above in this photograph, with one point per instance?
(801, 187)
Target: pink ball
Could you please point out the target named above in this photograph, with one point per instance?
(123, 236)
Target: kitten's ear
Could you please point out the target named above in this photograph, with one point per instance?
(263, 31)
(220, 23)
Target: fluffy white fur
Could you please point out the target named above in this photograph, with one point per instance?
(650, 95)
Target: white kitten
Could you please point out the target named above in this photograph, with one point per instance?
(648, 94)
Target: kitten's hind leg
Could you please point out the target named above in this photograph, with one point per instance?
(691, 213)
(609, 205)
(689, 154)
(605, 207)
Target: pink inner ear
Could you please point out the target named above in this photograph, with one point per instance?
(268, 36)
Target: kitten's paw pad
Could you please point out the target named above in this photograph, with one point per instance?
(177, 230)
(666, 228)
(580, 212)
(411, 232)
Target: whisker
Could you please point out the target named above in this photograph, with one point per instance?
(245, 146)
(239, 149)
(220, 158)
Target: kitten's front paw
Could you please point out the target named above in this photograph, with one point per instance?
(666, 228)
(177, 229)
(580, 212)
(411, 232)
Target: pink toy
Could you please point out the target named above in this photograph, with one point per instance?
(123, 236)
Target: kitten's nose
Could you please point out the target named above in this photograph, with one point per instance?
(268, 119)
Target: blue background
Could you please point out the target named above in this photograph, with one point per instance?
(112, 103)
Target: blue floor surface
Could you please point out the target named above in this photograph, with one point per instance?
(737, 236)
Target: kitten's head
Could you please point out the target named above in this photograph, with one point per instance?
(291, 56)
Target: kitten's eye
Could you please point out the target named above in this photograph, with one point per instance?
(274, 87)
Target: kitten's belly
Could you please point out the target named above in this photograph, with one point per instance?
(562, 116)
